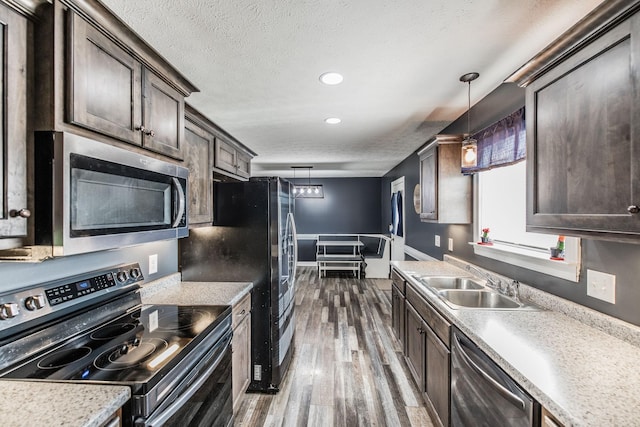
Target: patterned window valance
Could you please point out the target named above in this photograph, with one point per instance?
(501, 144)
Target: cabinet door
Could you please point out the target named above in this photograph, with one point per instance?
(583, 139)
(241, 360)
(225, 157)
(198, 155)
(415, 351)
(104, 85)
(429, 185)
(243, 162)
(438, 374)
(13, 129)
(397, 314)
(241, 324)
(163, 116)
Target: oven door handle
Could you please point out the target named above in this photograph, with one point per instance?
(181, 202)
(163, 414)
(502, 390)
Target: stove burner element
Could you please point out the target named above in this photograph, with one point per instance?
(130, 354)
(181, 320)
(112, 331)
(64, 357)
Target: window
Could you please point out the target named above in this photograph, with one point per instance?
(501, 207)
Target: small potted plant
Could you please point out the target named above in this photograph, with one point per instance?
(485, 235)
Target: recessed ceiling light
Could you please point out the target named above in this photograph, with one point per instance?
(331, 78)
(332, 120)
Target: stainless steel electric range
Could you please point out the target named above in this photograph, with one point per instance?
(92, 328)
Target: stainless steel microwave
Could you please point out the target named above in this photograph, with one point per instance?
(91, 196)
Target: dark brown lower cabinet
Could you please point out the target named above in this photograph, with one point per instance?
(415, 350)
(397, 314)
(427, 353)
(438, 375)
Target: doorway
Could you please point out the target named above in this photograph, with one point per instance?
(397, 226)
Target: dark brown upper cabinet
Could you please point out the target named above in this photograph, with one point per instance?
(201, 156)
(97, 78)
(198, 158)
(105, 87)
(232, 159)
(583, 128)
(13, 128)
(445, 191)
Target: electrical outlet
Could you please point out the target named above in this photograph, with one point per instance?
(450, 244)
(437, 241)
(153, 264)
(601, 285)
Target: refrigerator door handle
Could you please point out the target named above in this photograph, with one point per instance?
(294, 238)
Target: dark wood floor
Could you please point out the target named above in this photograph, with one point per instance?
(347, 368)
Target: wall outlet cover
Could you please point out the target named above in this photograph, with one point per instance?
(437, 241)
(601, 286)
(450, 244)
(153, 264)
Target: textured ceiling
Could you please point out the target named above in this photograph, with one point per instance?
(257, 65)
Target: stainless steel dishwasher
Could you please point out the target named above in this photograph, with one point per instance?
(482, 394)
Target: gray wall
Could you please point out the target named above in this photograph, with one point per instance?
(621, 259)
(350, 205)
(16, 275)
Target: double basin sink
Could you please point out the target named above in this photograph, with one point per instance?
(466, 292)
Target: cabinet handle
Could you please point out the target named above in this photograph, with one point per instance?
(22, 213)
(141, 129)
(634, 209)
(149, 132)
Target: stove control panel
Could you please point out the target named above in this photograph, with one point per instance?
(26, 305)
(80, 288)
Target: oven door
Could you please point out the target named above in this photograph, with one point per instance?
(203, 398)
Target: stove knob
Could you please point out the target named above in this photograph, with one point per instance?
(135, 273)
(35, 302)
(122, 276)
(9, 310)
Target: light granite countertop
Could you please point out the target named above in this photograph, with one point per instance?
(170, 290)
(583, 375)
(36, 403)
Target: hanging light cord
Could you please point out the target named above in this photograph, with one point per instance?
(469, 111)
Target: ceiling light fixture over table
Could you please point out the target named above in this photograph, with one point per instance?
(309, 191)
(469, 145)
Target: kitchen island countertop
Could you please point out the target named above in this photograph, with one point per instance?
(583, 375)
(37, 403)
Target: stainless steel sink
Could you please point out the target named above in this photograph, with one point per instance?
(452, 283)
(486, 299)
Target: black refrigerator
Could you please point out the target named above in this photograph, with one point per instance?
(253, 239)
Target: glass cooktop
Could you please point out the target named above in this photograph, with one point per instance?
(131, 349)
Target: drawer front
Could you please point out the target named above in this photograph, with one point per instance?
(439, 324)
(241, 310)
(398, 280)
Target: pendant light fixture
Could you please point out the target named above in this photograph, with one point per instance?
(309, 191)
(469, 157)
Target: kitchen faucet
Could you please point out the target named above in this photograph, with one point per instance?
(492, 282)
